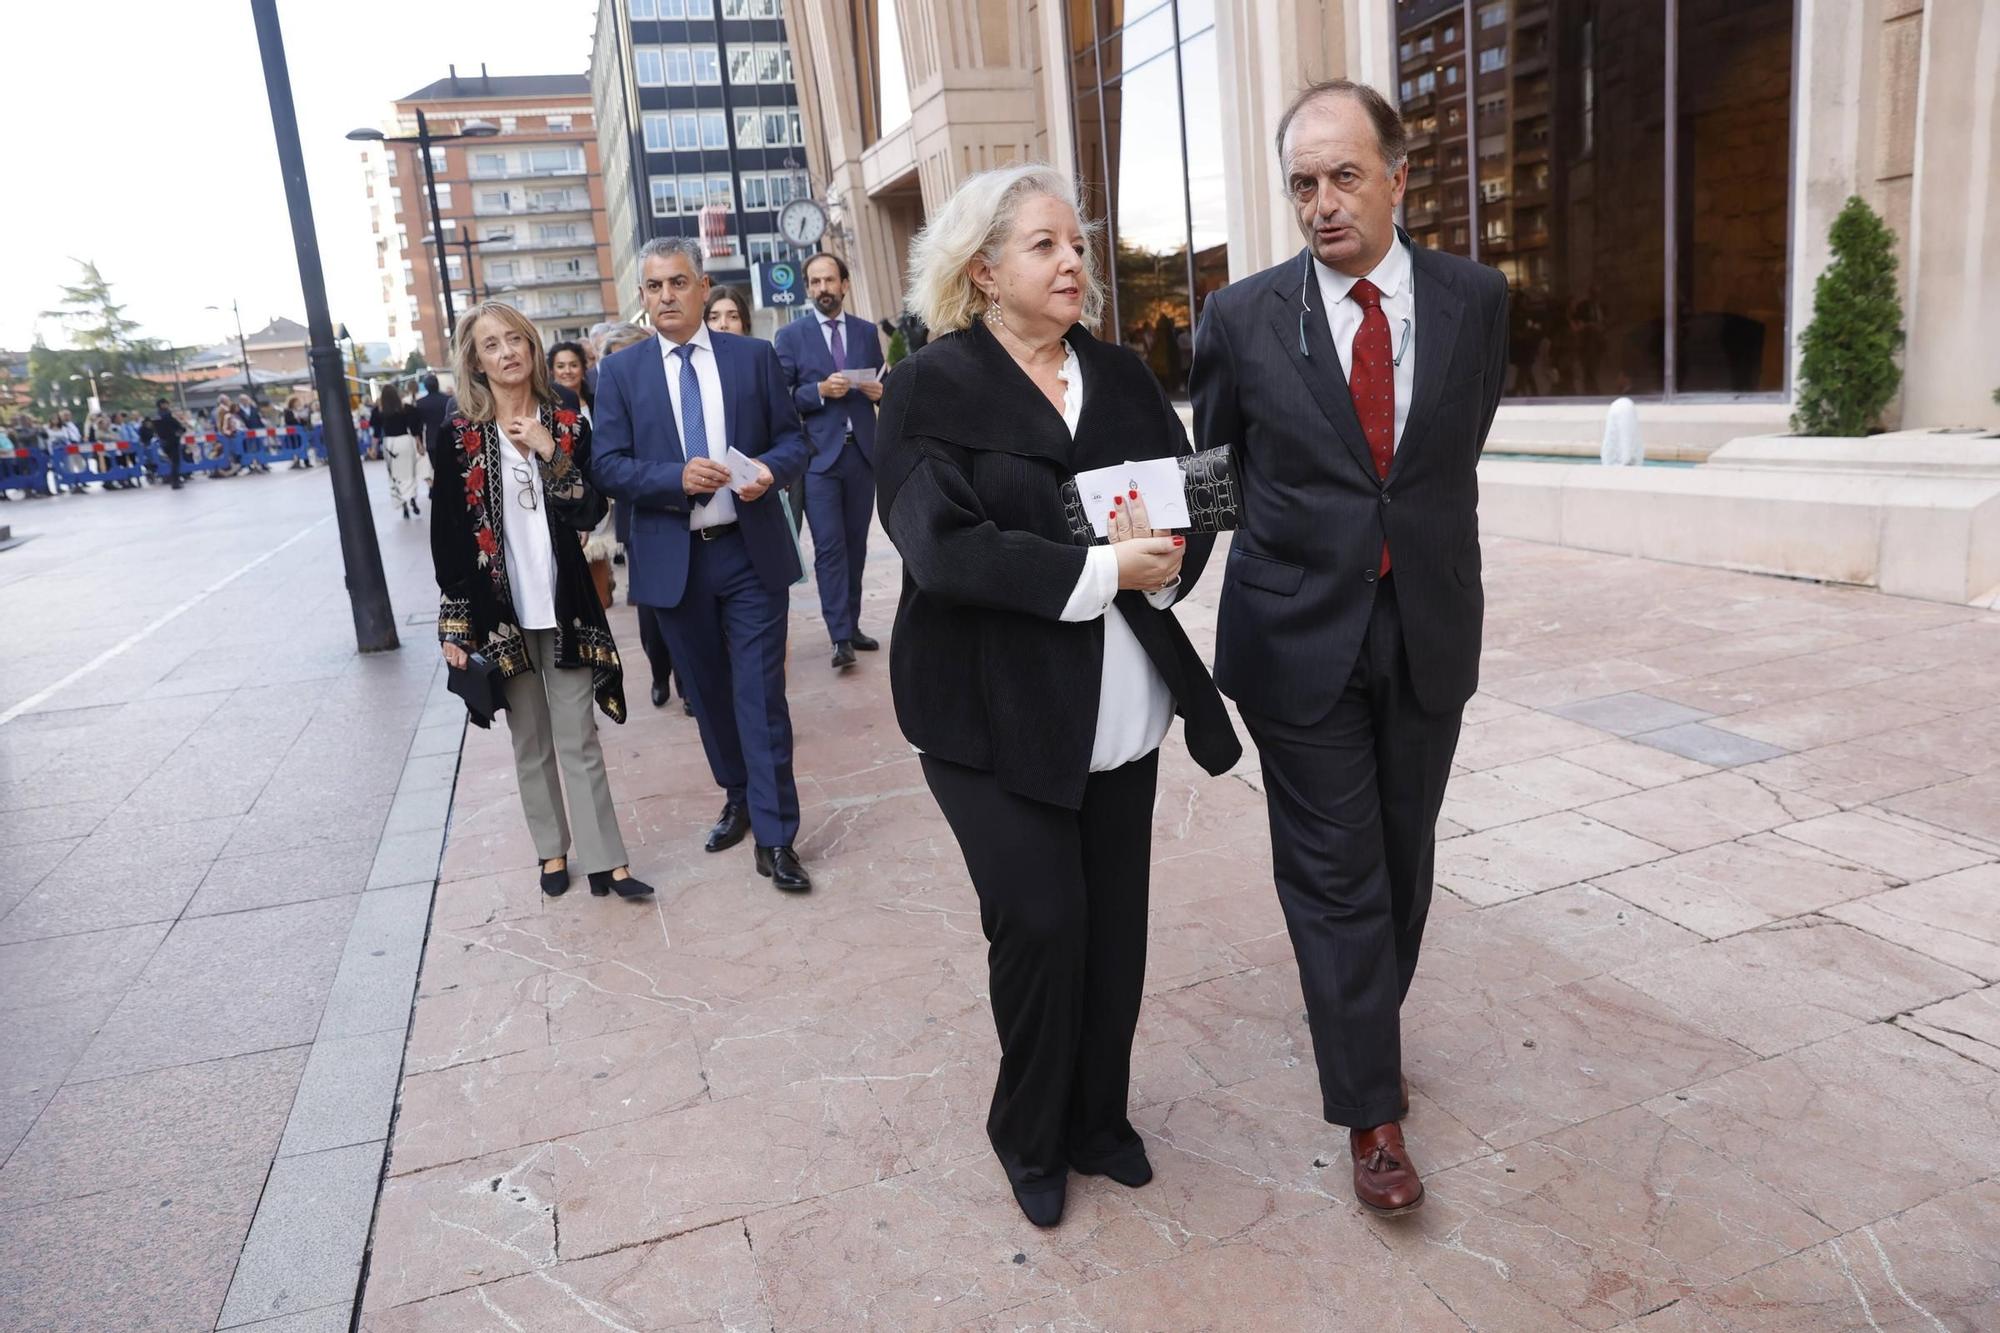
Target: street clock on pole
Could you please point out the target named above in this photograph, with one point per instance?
(802, 222)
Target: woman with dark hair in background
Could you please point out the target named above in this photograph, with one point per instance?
(568, 363)
(396, 428)
(513, 494)
(728, 311)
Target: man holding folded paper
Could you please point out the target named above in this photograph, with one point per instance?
(697, 432)
(1356, 382)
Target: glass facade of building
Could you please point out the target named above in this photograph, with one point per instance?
(1143, 81)
(1615, 159)
(721, 146)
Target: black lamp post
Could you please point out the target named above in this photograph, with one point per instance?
(423, 139)
(367, 588)
(242, 347)
(466, 239)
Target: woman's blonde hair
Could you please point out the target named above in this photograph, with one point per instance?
(974, 224)
(475, 400)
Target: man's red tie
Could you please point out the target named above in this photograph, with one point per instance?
(1371, 382)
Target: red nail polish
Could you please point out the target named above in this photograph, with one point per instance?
(1135, 495)
(1119, 499)
(1180, 541)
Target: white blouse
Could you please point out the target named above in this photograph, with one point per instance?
(531, 560)
(1134, 706)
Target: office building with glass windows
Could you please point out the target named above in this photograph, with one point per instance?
(523, 211)
(700, 130)
(1656, 178)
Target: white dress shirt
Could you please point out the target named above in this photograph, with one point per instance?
(721, 506)
(1396, 279)
(531, 560)
(1134, 706)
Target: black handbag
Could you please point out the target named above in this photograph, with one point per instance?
(1209, 482)
(482, 687)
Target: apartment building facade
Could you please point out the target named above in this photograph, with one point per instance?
(523, 210)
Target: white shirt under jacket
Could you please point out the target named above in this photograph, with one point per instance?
(531, 560)
(721, 506)
(1395, 278)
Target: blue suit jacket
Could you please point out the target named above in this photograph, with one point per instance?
(636, 458)
(802, 348)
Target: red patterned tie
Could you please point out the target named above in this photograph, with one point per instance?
(1371, 382)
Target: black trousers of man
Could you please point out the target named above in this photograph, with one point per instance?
(1062, 899)
(658, 658)
(1353, 803)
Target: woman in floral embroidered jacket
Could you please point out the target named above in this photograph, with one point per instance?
(509, 508)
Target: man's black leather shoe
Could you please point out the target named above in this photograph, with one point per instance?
(781, 866)
(843, 655)
(863, 644)
(729, 830)
(660, 696)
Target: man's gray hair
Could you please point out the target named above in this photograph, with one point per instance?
(665, 247)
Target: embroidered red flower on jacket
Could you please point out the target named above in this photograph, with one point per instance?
(489, 545)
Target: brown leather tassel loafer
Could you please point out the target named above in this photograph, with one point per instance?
(1384, 1180)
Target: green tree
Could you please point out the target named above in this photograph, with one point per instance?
(1847, 355)
(415, 361)
(105, 343)
(899, 347)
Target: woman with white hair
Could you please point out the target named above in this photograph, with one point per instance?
(1036, 675)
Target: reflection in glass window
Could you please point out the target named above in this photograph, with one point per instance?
(707, 65)
(749, 130)
(665, 201)
(643, 9)
(680, 69)
(742, 63)
(647, 68)
(687, 131)
(721, 194)
(714, 130)
(754, 196)
(659, 130)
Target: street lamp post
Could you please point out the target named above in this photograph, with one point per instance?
(242, 347)
(423, 139)
(466, 239)
(367, 588)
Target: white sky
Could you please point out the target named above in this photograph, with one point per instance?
(140, 137)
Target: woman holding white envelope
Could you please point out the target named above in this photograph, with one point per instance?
(1039, 675)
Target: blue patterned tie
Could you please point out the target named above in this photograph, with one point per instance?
(694, 422)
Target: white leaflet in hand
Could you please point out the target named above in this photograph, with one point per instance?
(861, 374)
(742, 468)
(1158, 481)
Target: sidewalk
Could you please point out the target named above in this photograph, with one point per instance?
(1706, 1035)
(217, 847)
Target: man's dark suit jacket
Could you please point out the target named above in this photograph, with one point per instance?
(1301, 578)
(433, 409)
(807, 360)
(636, 458)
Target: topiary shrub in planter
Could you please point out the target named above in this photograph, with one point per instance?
(1847, 355)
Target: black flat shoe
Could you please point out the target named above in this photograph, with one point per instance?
(660, 696)
(555, 883)
(603, 882)
(863, 644)
(732, 828)
(1133, 1170)
(781, 866)
(843, 655)
(1043, 1207)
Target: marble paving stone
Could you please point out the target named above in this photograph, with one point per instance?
(223, 985)
(652, 1178)
(273, 824)
(346, 1094)
(72, 900)
(1786, 985)
(1735, 886)
(1559, 1057)
(462, 1225)
(471, 1110)
(1882, 841)
(467, 904)
(326, 1319)
(23, 865)
(1516, 792)
(1629, 714)
(42, 972)
(1497, 955)
(1594, 1225)
(1519, 859)
(269, 879)
(1527, 736)
(39, 1045)
(1954, 918)
(1558, 690)
(1828, 719)
(1848, 774)
(406, 857)
(1810, 1123)
(1709, 744)
(1970, 806)
(1934, 1267)
(1636, 765)
(1771, 683)
(305, 1244)
(152, 1258)
(1968, 1024)
(705, 1279)
(195, 1120)
(458, 1025)
(1968, 742)
(1719, 807)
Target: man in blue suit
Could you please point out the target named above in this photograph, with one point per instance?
(839, 413)
(713, 561)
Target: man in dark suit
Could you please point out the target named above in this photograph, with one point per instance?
(711, 557)
(433, 409)
(1356, 382)
(839, 414)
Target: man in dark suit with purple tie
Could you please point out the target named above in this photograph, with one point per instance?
(712, 558)
(819, 354)
(1355, 383)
